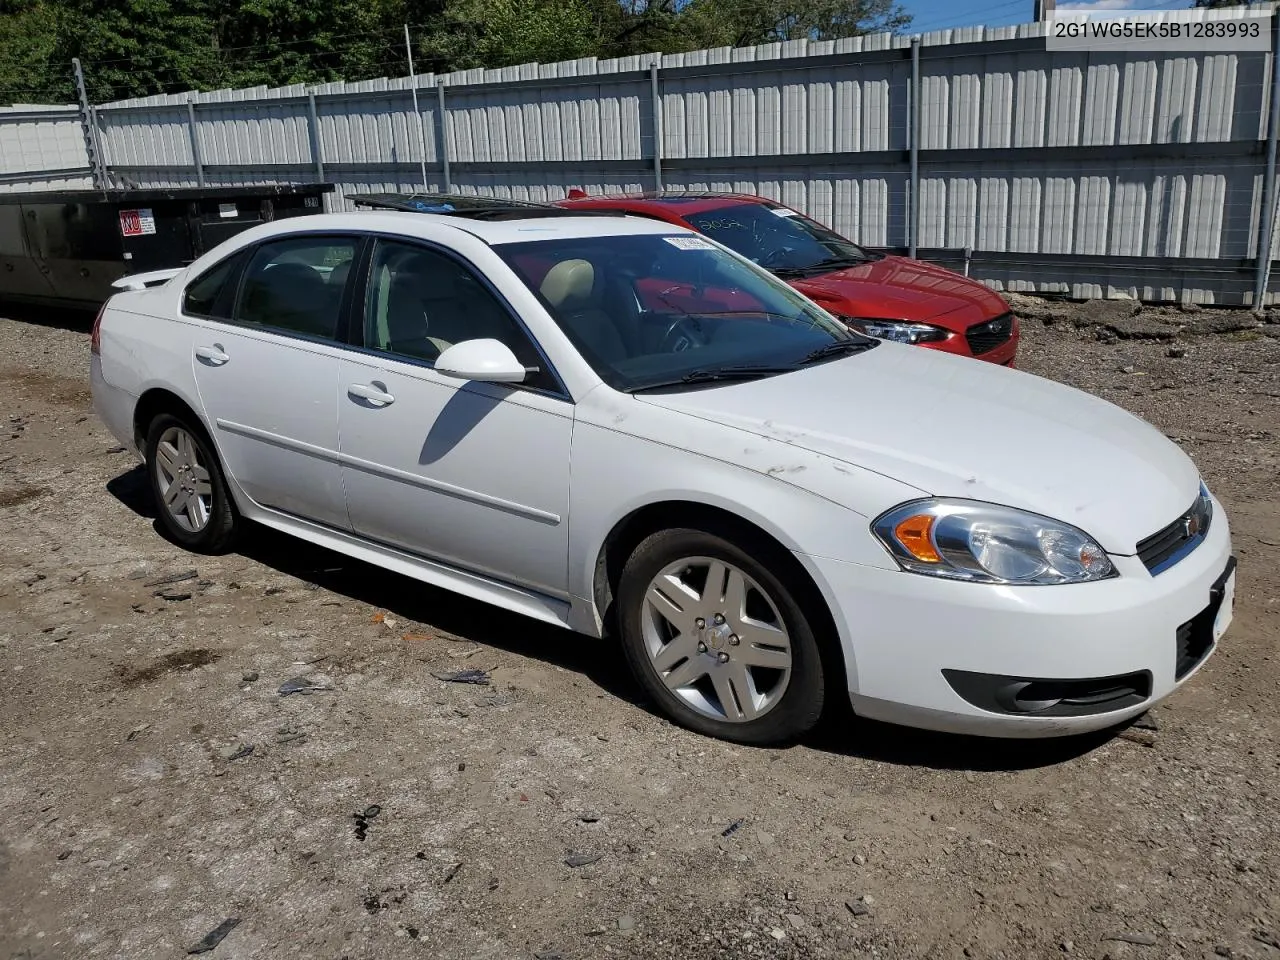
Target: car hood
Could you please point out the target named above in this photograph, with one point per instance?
(895, 288)
(957, 427)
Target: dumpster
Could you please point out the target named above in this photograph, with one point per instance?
(66, 248)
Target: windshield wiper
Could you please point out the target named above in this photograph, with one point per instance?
(754, 371)
(839, 347)
(820, 266)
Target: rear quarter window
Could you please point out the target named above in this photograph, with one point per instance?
(210, 294)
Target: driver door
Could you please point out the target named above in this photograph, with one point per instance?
(475, 475)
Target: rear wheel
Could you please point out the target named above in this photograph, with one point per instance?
(717, 639)
(189, 488)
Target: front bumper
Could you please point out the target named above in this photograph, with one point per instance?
(907, 638)
(1005, 354)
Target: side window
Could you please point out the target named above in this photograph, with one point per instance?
(209, 295)
(421, 302)
(296, 285)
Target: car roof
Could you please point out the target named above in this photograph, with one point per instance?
(680, 203)
(490, 231)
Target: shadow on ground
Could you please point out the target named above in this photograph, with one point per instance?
(75, 319)
(601, 661)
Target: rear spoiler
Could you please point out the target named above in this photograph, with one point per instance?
(140, 281)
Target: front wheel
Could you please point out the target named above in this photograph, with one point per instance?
(186, 480)
(716, 637)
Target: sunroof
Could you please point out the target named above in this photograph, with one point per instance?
(442, 202)
(463, 205)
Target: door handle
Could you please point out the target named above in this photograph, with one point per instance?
(372, 393)
(213, 356)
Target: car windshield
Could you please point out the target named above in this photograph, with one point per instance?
(778, 238)
(650, 311)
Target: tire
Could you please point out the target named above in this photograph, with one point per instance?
(762, 658)
(179, 447)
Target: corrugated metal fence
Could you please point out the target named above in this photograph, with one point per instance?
(42, 148)
(1079, 173)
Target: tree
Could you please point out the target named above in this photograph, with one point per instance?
(133, 48)
(28, 38)
(502, 33)
(736, 23)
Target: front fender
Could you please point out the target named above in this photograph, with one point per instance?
(615, 473)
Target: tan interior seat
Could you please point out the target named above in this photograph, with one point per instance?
(571, 289)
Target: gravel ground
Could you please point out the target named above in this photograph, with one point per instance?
(154, 782)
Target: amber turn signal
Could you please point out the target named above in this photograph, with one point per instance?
(913, 533)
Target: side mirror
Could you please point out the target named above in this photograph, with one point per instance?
(485, 360)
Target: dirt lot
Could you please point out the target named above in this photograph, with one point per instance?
(135, 820)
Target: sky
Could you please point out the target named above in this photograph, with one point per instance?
(940, 14)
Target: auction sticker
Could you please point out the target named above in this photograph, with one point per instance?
(137, 223)
(690, 243)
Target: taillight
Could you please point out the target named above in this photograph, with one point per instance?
(95, 338)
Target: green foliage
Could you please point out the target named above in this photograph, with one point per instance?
(133, 48)
(138, 47)
(501, 33)
(28, 38)
(735, 23)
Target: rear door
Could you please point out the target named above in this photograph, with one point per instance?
(266, 362)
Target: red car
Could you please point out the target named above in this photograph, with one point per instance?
(891, 297)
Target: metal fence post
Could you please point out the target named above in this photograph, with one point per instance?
(913, 127)
(655, 92)
(442, 137)
(194, 133)
(88, 120)
(95, 133)
(1266, 231)
(422, 127)
(313, 134)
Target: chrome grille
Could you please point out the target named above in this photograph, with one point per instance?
(1170, 544)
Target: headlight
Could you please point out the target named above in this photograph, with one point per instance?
(983, 542)
(902, 331)
(1203, 510)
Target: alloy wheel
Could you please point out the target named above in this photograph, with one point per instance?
(716, 639)
(183, 480)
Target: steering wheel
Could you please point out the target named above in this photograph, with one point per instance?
(684, 333)
(774, 255)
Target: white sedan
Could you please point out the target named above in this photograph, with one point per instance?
(623, 428)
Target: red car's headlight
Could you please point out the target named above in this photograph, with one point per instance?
(901, 331)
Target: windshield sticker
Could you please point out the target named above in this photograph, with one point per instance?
(690, 243)
(783, 212)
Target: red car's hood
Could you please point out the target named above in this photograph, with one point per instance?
(895, 288)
